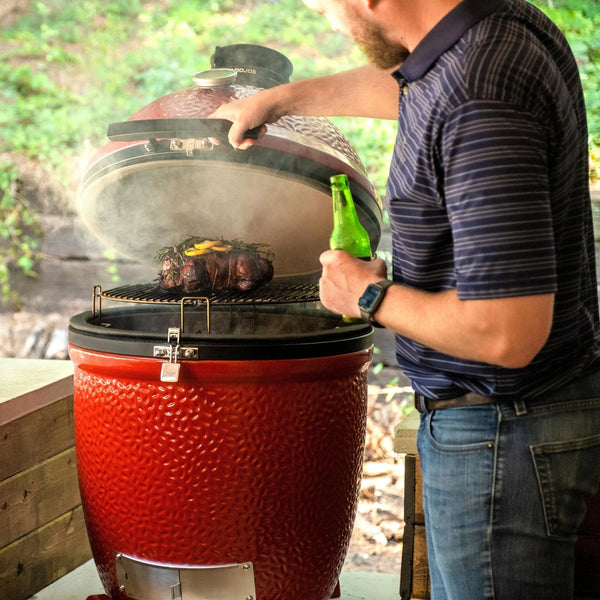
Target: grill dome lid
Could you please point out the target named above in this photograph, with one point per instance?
(161, 179)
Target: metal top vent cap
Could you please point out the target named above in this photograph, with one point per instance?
(214, 78)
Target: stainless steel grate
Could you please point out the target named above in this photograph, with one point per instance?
(278, 291)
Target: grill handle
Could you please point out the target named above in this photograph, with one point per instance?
(151, 129)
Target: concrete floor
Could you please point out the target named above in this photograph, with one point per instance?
(84, 582)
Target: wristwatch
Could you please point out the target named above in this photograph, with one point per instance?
(371, 299)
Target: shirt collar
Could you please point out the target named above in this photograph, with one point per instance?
(444, 35)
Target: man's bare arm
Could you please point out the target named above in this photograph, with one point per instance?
(507, 332)
(361, 92)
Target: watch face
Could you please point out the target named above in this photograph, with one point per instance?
(370, 295)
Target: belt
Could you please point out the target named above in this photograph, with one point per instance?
(423, 403)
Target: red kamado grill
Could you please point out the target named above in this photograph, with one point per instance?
(220, 435)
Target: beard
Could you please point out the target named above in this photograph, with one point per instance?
(374, 45)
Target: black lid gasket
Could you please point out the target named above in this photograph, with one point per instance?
(150, 325)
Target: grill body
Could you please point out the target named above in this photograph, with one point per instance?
(238, 441)
(240, 461)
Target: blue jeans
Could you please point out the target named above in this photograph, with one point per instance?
(503, 493)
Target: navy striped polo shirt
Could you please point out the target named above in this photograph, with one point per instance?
(488, 190)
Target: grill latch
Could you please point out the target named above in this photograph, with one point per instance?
(169, 372)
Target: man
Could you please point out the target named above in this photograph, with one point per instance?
(494, 298)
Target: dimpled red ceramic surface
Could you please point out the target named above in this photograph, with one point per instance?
(240, 461)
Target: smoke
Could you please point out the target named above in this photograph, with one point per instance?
(268, 321)
(138, 209)
(138, 199)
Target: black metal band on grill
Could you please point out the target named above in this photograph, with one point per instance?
(266, 332)
(275, 321)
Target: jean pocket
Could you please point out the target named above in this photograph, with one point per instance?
(567, 473)
(467, 429)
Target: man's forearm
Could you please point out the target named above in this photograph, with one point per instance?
(507, 332)
(362, 92)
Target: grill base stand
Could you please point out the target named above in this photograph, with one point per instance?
(144, 580)
(84, 583)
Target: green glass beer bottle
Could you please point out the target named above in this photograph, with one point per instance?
(348, 234)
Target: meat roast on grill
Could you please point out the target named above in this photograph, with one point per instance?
(204, 264)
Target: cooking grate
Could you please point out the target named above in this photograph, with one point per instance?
(278, 291)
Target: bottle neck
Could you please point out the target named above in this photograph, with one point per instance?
(343, 206)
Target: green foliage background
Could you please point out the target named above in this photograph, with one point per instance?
(68, 69)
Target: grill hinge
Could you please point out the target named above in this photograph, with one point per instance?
(189, 146)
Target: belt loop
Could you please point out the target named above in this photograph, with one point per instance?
(419, 402)
(520, 408)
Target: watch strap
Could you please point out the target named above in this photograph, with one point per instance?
(368, 315)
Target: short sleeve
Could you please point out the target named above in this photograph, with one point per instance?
(494, 166)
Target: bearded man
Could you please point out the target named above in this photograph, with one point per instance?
(493, 297)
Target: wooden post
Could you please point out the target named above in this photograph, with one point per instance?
(414, 568)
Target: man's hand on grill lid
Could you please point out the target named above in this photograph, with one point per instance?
(248, 114)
